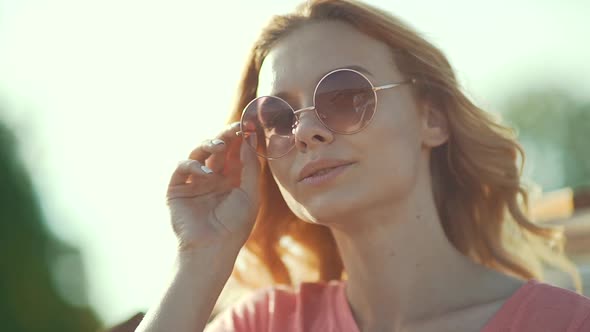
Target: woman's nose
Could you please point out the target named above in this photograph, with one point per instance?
(310, 132)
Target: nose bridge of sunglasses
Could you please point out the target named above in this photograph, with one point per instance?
(299, 114)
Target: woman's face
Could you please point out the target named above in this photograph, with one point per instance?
(385, 157)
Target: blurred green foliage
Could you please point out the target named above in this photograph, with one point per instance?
(554, 128)
(41, 281)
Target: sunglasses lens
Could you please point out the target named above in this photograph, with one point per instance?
(267, 122)
(345, 101)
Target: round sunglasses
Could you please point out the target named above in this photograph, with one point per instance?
(344, 101)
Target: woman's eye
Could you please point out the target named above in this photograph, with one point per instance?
(348, 95)
(280, 124)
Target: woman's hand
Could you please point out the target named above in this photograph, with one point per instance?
(213, 196)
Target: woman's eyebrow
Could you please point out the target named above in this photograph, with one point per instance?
(286, 95)
(354, 67)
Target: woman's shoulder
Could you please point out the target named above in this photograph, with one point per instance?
(538, 306)
(280, 307)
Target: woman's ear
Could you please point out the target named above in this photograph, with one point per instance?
(435, 127)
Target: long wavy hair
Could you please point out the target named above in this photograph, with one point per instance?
(479, 196)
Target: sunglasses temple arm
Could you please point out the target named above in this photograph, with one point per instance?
(387, 86)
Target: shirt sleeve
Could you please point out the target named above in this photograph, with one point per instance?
(250, 314)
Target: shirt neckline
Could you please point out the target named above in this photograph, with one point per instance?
(344, 312)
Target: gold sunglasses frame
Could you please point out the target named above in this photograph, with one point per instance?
(313, 108)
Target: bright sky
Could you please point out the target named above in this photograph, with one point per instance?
(109, 94)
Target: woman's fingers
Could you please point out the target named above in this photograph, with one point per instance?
(186, 169)
(215, 146)
(211, 154)
(214, 166)
(195, 189)
(250, 170)
(243, 178)
(216, 160)
(191, 179)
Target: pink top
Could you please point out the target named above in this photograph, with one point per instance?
(318, 306)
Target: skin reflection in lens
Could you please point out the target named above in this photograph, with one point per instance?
(275, 118)
(345, 101)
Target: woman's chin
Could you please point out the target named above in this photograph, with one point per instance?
(323, 210)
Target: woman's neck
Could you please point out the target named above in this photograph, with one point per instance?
(401, 267)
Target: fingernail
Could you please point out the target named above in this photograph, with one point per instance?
(206, 169)
(217, 141)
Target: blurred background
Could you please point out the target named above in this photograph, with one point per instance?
(100, 99)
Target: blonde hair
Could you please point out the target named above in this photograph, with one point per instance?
(482, 211)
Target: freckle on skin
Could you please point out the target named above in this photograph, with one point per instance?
(392, 253)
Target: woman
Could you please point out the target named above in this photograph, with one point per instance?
(355, 141)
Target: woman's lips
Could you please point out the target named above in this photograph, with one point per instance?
(325, 175)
